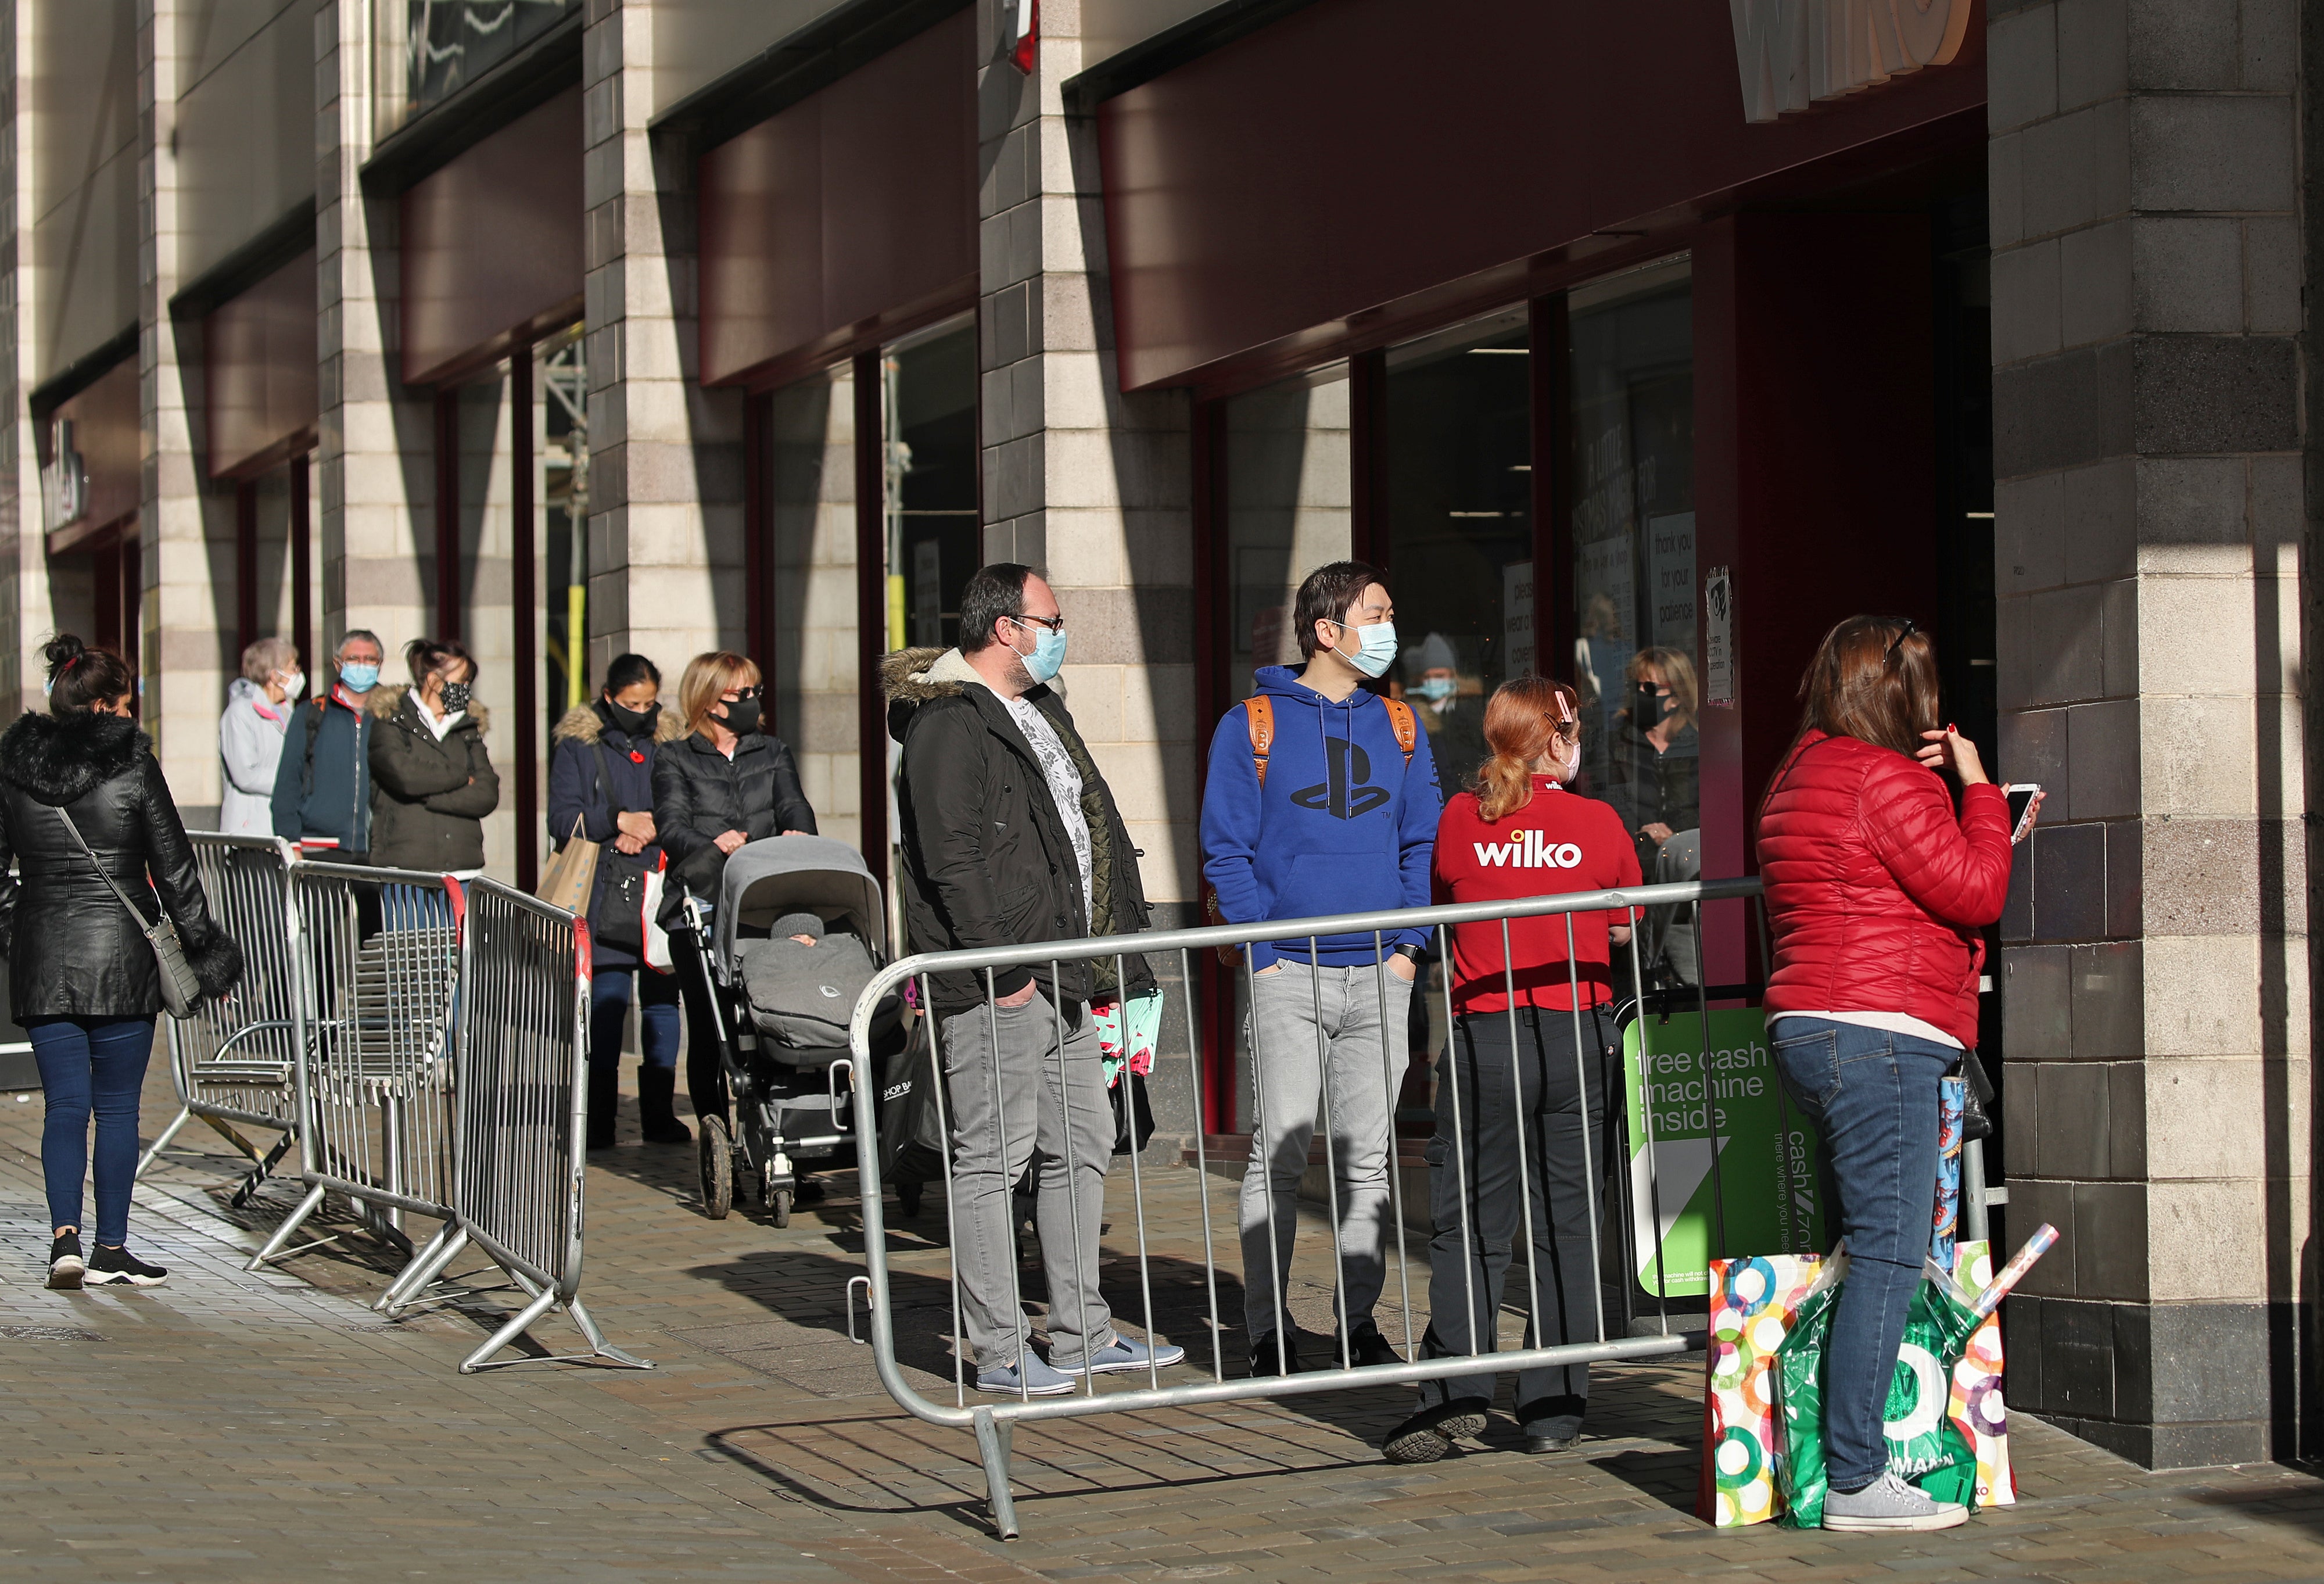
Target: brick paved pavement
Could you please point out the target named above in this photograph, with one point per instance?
(248, 1427)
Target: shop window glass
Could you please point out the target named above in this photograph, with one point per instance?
(934, 541)
(1635, 581)
(447, 44)
(1459, 478)
(564, 397)
(1287, 508)
(811, 483)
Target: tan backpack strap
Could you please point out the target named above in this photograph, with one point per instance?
(1260, 712)
(1407, 727)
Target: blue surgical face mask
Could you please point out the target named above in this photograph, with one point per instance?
(1434, 689)
(359, 677)
(1376, 650)
(1048, 656)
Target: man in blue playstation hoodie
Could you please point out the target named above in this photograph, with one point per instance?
(1330, 806)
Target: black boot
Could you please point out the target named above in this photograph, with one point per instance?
(605, 1100)
(657, 1086)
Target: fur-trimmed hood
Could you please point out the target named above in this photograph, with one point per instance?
(586, 722)
(385, 699)
(914, 676)
(59, 759)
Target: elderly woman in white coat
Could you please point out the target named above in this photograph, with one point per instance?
(258, 705)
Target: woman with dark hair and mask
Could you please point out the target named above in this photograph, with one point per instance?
(600, 773)
(722, 782)
(80, 789)
(432, 782)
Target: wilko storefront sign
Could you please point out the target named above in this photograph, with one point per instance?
(1792, 53)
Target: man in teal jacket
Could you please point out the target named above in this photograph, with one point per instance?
(322, 787)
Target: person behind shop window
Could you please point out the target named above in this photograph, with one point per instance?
(82, 978)
(1449, 706)
(1598, 666)
(322, 785)
(1528, 1145)
(1878, 895)
(1654, 770)
(259, 705)
(1010, 834)
(601, 768)
(1341, 822)
(432, 778)
(720, 782)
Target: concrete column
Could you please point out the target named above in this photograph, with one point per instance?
(664, 456)
(374, 478)
(2147, 299)
(186, 530)
(1092, 483)
(23, 566)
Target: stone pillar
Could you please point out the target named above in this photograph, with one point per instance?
(2149, 513)
(1079, 477)
(373, 481)
(665, 531)
(24, 564)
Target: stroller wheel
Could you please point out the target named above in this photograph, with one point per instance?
(778, 1207)
(717, 1169)
(908, 1195)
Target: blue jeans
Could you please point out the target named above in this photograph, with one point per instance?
(609, 989)
(1873, 1097)
(90, 1064)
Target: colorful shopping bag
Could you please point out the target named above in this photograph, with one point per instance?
(1755, 1301)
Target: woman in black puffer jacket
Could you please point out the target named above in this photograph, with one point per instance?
(724, 783)
(81, 976)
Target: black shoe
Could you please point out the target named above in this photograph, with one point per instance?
(1264, 1360)
(1366, 1345)
(65, 1264)
(1552, 1425)
(1428, 1434)
(117, 1267)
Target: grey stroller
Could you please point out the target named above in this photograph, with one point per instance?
(782, 1016)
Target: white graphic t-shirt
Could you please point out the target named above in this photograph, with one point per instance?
(1065, 783)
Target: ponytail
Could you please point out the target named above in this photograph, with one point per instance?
(1522, 719)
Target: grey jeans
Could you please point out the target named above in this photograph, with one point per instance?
(1033, 1103)
(1306, 1021)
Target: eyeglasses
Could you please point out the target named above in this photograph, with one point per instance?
(1053, 623)
(737, 695)
(1903, 632)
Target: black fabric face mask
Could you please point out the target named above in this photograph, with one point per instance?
(634, 722)
(740, 715)
(1646, 707)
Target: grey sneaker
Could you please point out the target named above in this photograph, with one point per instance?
(1888, 1502)
(1039, 1380)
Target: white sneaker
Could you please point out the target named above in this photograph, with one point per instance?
(1888, 1502)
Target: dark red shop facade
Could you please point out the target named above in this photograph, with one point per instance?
(1602, 373)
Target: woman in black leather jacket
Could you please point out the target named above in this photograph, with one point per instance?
(724, 783)
(81, 977)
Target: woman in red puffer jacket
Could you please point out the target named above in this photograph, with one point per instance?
(1877, 891)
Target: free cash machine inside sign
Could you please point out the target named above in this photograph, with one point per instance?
(1733, 1161)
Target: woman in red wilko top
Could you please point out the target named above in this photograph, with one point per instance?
(1511, 1071)
(1877, 891)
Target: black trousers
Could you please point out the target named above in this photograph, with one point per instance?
(1520, 1132)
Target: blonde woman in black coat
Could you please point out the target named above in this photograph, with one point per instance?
(81, 976)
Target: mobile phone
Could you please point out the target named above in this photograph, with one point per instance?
(2021, 808)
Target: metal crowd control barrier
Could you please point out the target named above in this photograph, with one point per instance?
(523, 1040)
(375, 955)
(992, 1421)
(232, 1061)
